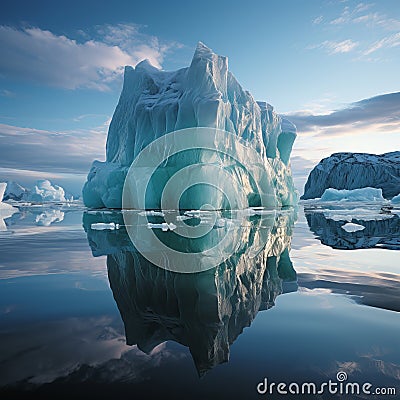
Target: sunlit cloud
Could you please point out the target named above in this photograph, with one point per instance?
(44, 57)
(377, 114)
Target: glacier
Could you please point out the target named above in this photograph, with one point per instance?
(155, 103)
(353, 171)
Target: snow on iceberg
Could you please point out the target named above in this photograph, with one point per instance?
(154, 103)
(363, 194)
(44, 191)
(354, 171)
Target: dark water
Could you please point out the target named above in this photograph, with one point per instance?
(299, 299)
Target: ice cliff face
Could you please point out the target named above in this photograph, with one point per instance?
(353, 171)
(154, 103)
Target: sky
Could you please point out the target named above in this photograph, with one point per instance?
(331, 67)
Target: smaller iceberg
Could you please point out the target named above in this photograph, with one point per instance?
(6, 210)
(363, 194)
(14, 191)
(44, 191)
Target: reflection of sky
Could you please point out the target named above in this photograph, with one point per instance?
(59, 321)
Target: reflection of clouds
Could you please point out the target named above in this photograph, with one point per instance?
(376, 289)
(38, 250)
(60, 348)
(49, 217)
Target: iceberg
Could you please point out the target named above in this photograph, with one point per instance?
(235, 145)
(44, 191)
(353, 171)
(6, 210)
(14, 191)
(362, 194)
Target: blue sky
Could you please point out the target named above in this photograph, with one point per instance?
(328, 65)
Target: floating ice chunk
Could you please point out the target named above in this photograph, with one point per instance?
(351, 227)
(152, 213)
(363, 194)
(197, 213)
(101, 226)
(164, 226)
(181, 218)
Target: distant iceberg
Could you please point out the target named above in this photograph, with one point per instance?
(353, 171)
(6, 210)
(155, 103)
(44, 191)
(14, 191)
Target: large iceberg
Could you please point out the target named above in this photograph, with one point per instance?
(354, 171)
(154, 103)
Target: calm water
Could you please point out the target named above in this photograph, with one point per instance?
(82, 314)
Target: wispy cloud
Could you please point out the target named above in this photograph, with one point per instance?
(386, 42)
(44, 57)
(318, 20)
(361, 15)
(336, 47)
(380, 114)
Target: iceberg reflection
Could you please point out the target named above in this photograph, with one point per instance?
(205, 311)
(381, 227)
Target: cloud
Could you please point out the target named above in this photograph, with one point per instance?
(378, 114)
(357, 15)
(318, 20)
(386, 42)
(335, 47)
(40, 150)
(47, 58)
(376, 24)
